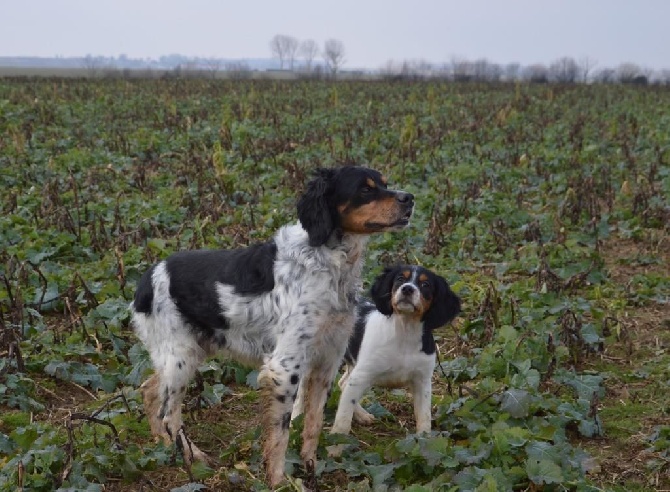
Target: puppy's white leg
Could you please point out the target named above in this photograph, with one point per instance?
(360, 415)
(422, 393)
(355, 387)
(299, 404)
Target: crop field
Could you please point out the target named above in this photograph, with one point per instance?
(546, 207)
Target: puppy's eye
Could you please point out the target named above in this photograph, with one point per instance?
(425, 285)
(400, 278)
(366, 189)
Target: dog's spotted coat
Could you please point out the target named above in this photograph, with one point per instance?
(286, 305)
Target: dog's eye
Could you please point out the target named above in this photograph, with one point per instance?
(400, 278)
(366, 189)
(425, 285)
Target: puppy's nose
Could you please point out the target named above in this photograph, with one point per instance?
(407, 289)
(403, 197)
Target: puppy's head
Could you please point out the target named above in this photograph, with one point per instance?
(416, 292)
(353, 200)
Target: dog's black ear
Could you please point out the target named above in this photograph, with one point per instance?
(381, 290)
(445, 306)
(314, 210)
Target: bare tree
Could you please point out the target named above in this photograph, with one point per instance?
(238, 70)
(586, 64)
(92, 64)
(309, 50)
(284, 47)
(536, 73)
(461, 69)
(333, 54)
(564, 70)
(605, 76)
(291, 50)
(480, 69)
(664, 76)
(485, 71)
(213, 65)
(626, 72)
(408, 69)
(512, 71)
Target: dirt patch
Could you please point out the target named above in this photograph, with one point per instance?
(636, 361)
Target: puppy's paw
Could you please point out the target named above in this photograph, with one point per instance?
(362, 417)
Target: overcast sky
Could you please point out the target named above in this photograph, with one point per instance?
(372, 31)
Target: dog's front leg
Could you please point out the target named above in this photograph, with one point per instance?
(278, 381)
(422, 392)
(317, 385)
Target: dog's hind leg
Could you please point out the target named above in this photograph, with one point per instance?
(152, 406)
(164, 393)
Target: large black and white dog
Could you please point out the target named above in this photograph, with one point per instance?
(392, 345)
(286, 305)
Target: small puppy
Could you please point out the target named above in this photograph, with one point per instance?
(393, 346)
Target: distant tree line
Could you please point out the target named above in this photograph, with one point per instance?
(565, 70)
(306, 58)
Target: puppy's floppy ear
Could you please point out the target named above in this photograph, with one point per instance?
(314, 210)
(445, 306)
(381, 290)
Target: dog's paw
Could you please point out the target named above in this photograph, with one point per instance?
(364, 418)
(191, 453)
(335, 451)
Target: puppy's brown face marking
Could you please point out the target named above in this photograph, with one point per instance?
(426, 290)
(412, 294)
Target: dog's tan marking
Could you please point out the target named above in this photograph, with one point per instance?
(424, 305)
(359, 220)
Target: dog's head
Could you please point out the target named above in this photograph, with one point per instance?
(416, 292)
(353, 200)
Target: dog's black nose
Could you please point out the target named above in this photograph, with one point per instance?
(405, 197)
(407, 289)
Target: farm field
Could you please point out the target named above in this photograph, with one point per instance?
(546, 207)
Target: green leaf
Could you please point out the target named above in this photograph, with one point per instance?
(516, 402)
(586, 385)
(543, 471)
(418, 488)
(591, 427)
(252, 379)
(189, 487)
(201, 471)
(141, 362)
(24, 436)
(378, 410)
(381, 473)
(542, 451)
(7, 445)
